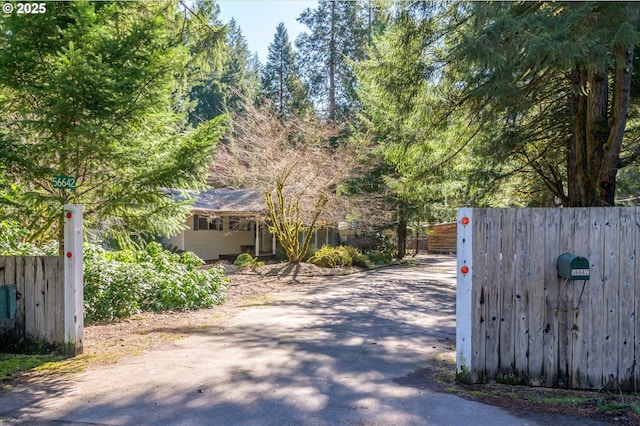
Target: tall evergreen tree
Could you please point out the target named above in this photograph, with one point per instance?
(339, 33)
(539, 88)
(225, 88)
(541, 72)
(87, 90)
(280, 78)
(413, 150)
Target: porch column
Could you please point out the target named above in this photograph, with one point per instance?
(273, 244)
(257, 245)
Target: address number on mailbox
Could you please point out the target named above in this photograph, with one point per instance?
(580, 272)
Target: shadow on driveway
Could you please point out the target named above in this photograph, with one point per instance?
(320, 354)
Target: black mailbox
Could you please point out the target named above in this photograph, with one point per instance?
(573, 267)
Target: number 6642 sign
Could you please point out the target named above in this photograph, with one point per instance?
(67, 182)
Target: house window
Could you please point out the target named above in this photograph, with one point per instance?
(215, 224)
(240, 224)
(204, 223)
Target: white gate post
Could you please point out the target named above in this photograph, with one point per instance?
(464, 295)
(73, 280)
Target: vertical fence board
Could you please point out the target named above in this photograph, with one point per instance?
(580, 309)
(49, 298)
(522, 292)
(9, 265)
(479, 272)
(611, 298)
(54, 305)
(537, 290)
(507, 311)
(595, 288)
(40, 300)
(626, 319)
(552, 292)
(29, 296)
(59, 286)
(20, 284)
(493, 293)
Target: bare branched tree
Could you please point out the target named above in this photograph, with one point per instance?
(293, 164)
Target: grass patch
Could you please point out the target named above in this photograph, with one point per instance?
(568, 400)
(605, 406)
(12, 365)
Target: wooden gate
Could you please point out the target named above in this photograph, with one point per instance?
(40, 284)
(50, 307)
(517, 318)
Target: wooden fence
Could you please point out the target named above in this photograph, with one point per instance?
(51, 304)
(517, 320)
(40, 283)
(441, 238)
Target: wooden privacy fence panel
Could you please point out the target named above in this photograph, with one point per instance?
(40, 282)
(441, 238)
(518, 319)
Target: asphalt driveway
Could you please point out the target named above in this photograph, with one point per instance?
(327, 354)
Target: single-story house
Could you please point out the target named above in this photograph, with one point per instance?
(226, 222)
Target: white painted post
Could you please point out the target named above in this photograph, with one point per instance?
(273, 244)
(257, 236)
(464, 294)
(73, 280)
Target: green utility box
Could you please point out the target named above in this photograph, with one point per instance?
(573, 267)
(8, 302)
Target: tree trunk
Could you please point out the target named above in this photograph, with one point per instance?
(402, 234)
(597, 128)
(618, 121)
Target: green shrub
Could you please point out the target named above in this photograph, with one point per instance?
(357, 257)
(380, 257)
(245, 260)
(331, 257)
(123, 283)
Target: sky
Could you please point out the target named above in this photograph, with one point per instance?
(258, 20)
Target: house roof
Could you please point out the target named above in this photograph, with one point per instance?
(228, 201)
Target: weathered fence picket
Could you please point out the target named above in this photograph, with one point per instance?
(527, 322)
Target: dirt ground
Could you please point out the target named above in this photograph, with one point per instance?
(107, 343)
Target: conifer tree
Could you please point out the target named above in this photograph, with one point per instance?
(87, 90)
(225, 88)
(280, 77)
(532, 89)
(338, 35)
